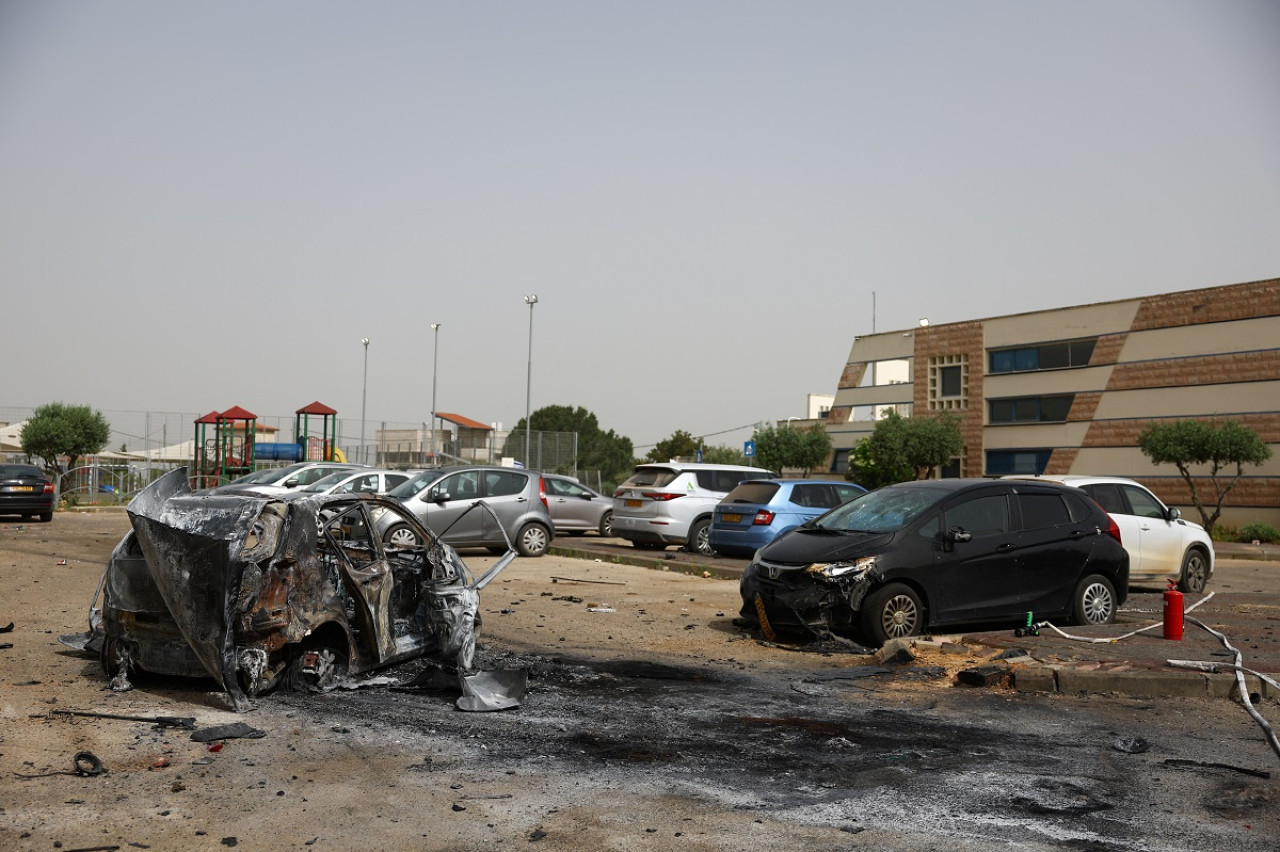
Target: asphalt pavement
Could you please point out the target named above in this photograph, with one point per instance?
(1114, 658)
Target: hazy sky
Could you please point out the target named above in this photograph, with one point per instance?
(209, 204)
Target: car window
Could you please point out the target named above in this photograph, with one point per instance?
(1041, 511)
(367, 484)
(395, 479)
(721, 480)
(306, 477)
(980, 516)
(459, 486)
(1144, 505)
(15, 470)
(1107, 495)
(501, 483)
(815, 496)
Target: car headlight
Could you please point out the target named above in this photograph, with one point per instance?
(832, 570)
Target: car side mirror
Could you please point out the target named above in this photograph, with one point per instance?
(959, 534)
(290, 483)
(1174, 514)
(441, 497)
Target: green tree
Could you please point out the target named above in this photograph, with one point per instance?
(57, 429)
(779, 447)
(1224, 445)
(900, 449)
(598, 449)
(723, 454)
(679, 445)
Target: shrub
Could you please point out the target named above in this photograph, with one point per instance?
(1258, 532)
(1224, 532)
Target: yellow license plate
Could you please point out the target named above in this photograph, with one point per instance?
(24, 488)
(633, 504)
(732, 517)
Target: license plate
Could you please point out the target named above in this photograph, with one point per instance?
(24, 488)
(633, 504)
(732, 518)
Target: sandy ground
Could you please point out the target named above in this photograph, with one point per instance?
(349, 770)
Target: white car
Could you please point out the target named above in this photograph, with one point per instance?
(672, 503)
(1162, 544)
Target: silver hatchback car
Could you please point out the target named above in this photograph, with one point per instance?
(447, 500)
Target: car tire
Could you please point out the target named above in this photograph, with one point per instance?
(401, 535)
(892, 612)
(700, 538)
(1094, 601)
(1195, 572)
(329, 668)
(46, 517)
(606, 525)
(533, 539)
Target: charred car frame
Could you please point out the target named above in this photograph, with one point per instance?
(258, 592)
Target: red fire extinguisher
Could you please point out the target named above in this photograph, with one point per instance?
(1172, 612)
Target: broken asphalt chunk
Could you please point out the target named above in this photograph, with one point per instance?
(988, 675)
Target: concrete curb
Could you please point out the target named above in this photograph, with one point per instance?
(1124, 680)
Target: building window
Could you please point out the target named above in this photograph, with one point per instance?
(1046, 356)
(1005, 462)
(949, 382)
(840, 461)
(952, 469)
(1031, 409)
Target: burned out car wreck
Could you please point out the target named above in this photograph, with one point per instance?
(259, 593)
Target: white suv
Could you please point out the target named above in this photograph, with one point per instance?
(672, 503)
(1162, 544)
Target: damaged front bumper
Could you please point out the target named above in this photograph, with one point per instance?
(815, 599)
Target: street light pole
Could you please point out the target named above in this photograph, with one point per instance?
(435, 360)
(364, 393)
(530, 300)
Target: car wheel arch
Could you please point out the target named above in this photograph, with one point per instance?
(1195, 584)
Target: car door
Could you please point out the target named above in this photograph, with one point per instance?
(448, 506)
(1053, 549)
(570, 505)
(505, 492)
(976, 559)
(1159, 538)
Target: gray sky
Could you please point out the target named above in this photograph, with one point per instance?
(208, 204)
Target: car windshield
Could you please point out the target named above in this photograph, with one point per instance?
(881, 511)
(327, 482)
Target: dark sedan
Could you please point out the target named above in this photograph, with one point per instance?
(25, 490)
(908, 557)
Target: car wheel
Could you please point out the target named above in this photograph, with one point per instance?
(892, 612)
(1195, 572)
(402, 535)
(606, 525)
(1095, 601)
(46, 517)
(318, 668)
(700, 538)
(532, 540)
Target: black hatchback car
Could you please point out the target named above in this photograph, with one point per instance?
(25, 490)
(916, 555)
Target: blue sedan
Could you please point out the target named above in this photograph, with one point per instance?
(756, 512)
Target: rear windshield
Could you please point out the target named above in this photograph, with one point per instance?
(752, 492)
(8, 471)
(652, 477)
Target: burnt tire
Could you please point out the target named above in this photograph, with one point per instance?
(317, 668)
(891, 612)
(533, 539)
(1094, 601)
(402, 535)
(1195, 572)
(700, 538)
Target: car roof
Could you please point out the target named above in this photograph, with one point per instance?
(697, 466)
(1074, 479)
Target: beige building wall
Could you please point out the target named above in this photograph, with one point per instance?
(1209, 353)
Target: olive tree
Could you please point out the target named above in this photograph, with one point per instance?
(57, 429)
(900, 449)
(1226, 446)
(779, 447)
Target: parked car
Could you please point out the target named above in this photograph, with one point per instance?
(905, 558)
(1162, 544)
(754, 513)
(260, 593)
(356, 482)
(672, 503)
(445, 499)
(26, 491)
(277, 480)
(575, 508)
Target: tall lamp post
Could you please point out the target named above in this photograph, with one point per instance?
(530, 300)
(435, 360)
(364, 393)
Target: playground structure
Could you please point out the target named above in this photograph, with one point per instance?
(227, 445)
